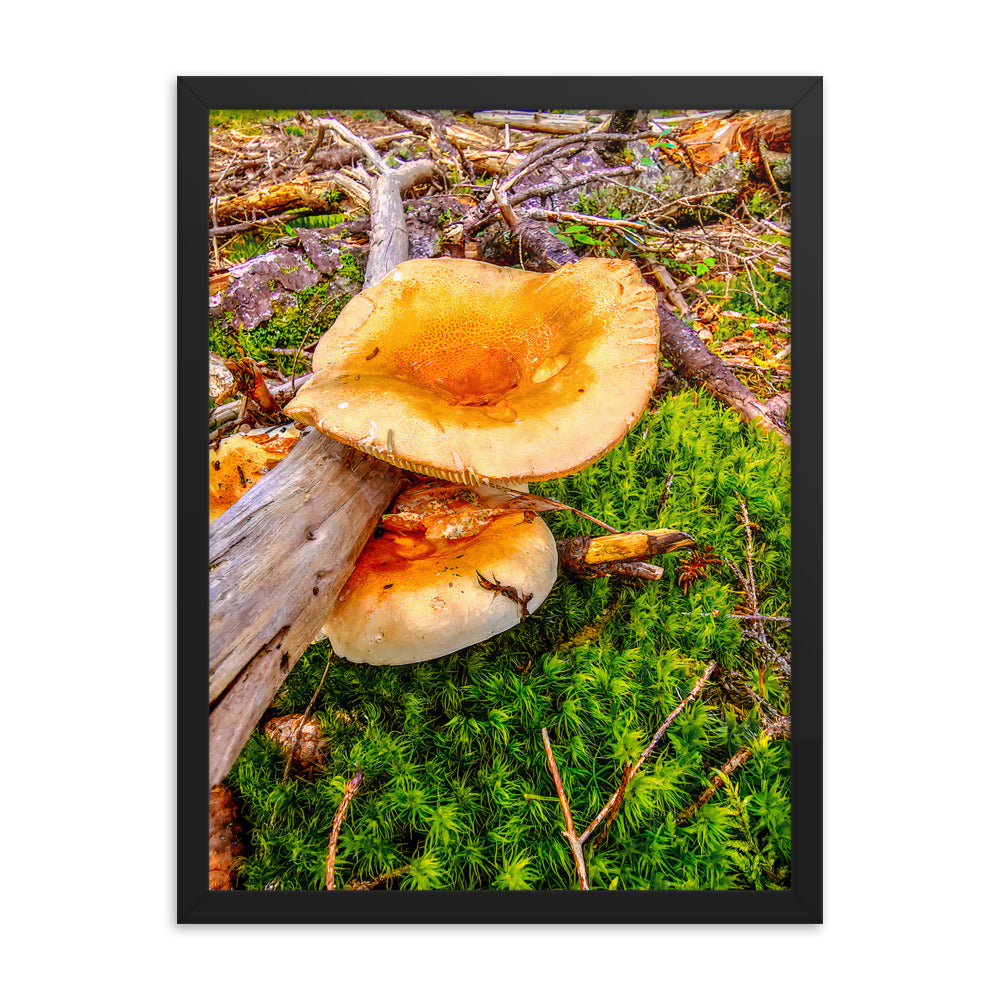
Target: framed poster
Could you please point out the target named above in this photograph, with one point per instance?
(542, 325)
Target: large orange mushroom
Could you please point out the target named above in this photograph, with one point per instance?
(482, 374)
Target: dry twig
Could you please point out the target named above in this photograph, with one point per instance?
(749, 585)
(331, 854)
(372, 883)
(611, 807)
(575, 843)
(615, 801)
(778, 728)
(305, 718)
(317, 142)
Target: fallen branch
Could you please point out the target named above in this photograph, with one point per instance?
(541, 155)
(776, 729)
(281, 553)
(692, 360)
(227, 416)
(613, 804)
(526, 242)
(616, 799)
(434, 130)
(338, 819)
(317, 142)
(294, 743)
(673, 292)
(540, 121)
(575, 843)
(270, 200)
(545, 190)
(621, 553)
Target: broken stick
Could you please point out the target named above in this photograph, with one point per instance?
(621, 553)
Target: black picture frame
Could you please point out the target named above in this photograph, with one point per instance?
(803, 902)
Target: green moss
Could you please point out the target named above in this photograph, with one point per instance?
(350, 268)
(245, 119)
(456, 789)
(313, 313)
(773, 292)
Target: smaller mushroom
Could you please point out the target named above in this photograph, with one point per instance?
(241, 460)
(452, 566)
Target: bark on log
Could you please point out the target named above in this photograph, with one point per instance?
(272, 200)
(305, 193)
(539, 121)
(279, 558)
(620, 554)
(332, 485)
(694, 361)
(525, 243)
(281, 553)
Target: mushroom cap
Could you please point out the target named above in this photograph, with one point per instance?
(449, 571)
(242, 459)
(476, 373)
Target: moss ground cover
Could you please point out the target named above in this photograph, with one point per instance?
(456, 791)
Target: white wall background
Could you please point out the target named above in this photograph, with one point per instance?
(88, 222)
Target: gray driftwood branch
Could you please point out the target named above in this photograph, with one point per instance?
(279, 555)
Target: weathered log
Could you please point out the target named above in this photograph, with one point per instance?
(301, 193)
(389, 244)
(281, 553)
(279, 558)
(540, 121)
(249, 548)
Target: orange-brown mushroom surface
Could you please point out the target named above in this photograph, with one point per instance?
(240, 461)
(475, 373)
(452, 567)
